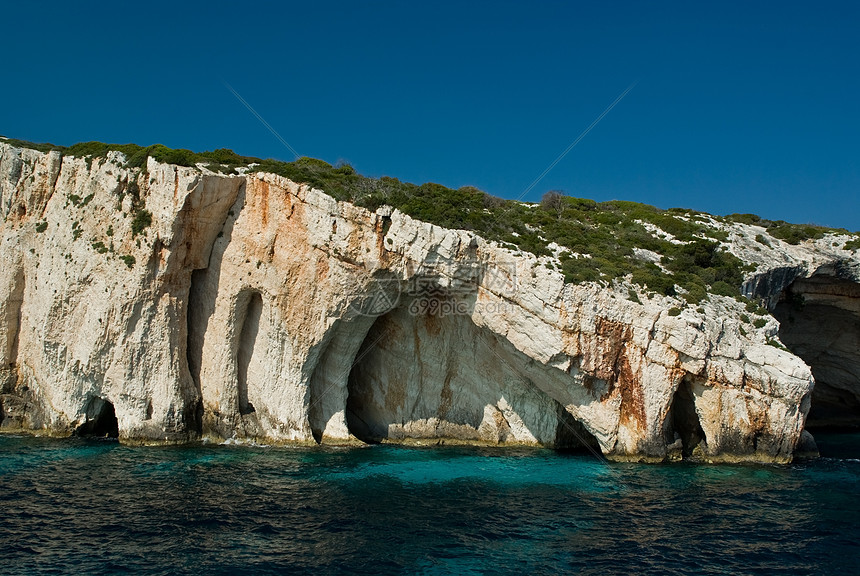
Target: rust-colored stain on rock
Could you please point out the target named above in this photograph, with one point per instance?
(264, 203)
(630, 388)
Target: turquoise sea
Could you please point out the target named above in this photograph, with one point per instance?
(98, 507)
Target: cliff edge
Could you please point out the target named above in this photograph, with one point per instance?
(171, 303)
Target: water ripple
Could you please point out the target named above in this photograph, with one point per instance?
(103, 508)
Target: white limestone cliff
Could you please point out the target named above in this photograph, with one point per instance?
(253, 307)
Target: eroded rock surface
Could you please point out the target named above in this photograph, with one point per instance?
(253, 307)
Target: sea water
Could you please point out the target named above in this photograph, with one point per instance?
(98, 507)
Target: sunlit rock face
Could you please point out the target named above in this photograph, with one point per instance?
(254, 308)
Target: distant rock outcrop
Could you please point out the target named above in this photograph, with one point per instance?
(172, 303)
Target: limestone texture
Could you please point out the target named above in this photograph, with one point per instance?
(192, 305)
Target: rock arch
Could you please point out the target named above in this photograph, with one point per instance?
(434, 375)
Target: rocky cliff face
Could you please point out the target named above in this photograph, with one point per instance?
(172, 303)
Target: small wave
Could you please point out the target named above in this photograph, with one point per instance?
(243, 442)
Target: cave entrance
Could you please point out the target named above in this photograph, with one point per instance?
(101, 420)
(197, 317)
(683, 420)
(820, 322)
(573, 437)
(434, 375)
(371, 396)
(245, 351)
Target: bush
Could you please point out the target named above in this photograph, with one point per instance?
(128, 259)
(695, 294)
(724, 289)
(100, 149)
(744, 218)
(754, 308)
(797, 233)
(674, 311)
(142, 220)
(760, 322)
(776, 344)
(41, 147)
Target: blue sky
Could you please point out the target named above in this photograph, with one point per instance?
(738, 106)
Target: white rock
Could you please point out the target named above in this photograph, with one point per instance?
(257, 308)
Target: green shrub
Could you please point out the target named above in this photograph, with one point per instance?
(760, 322)
(41, 226)
(744, 218)
(755, 308)
(723, 288)
(674, 311)
(142, 220)
(99, 149)
(128, 259)
(38, 146)
(775, 344)
(695, 294)
(797, 233)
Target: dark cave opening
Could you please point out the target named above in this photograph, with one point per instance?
(196, 316)
(683, 420)
(820, 322)
(245, 351)
(101, 420)
(195, 325)
(573, 437)
(362, 418)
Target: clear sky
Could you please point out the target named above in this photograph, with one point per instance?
(738, 106)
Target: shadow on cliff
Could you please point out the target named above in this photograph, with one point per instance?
(202, 294)
(820, 322)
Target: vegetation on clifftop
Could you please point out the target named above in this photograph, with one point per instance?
(791, 233)
(676, 251)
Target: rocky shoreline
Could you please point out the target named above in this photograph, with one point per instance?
(170, 304)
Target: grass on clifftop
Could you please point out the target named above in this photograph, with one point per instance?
(670, 252)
